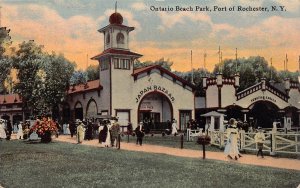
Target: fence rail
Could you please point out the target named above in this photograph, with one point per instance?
(275, 142)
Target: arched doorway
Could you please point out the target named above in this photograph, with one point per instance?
(263, 114)
(78, 111)
(66, 113)
(91, 110)
(155, 109)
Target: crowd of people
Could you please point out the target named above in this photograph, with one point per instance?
(108, 131)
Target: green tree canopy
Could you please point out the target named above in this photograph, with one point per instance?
(5, 61)
(92, 72)
(27, 60)
(78, 77)
(167, 64)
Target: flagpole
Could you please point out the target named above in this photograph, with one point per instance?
(192, 66)
(236, 60)
(271, 69)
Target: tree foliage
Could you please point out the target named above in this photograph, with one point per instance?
(92, 72)
(5, 61)
(27, 61)
(78, 77)
(5, 40)
(43, 79)
(167, 64)
(55, 80)
(251, 70)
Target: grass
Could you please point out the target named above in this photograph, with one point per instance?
(171, 141)
(69, 165)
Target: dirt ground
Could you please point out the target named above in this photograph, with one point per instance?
(245, 159)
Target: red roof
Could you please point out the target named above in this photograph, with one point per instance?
(91, 85)
(112, 51)
(10, 99)
(138, 71)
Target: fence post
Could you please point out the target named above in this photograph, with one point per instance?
(181, 141)
(296, 141)
(273, 138)
(127, 137)
(188, 134)
(221, 139)
(119, 141)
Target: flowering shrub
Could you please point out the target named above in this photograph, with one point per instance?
(44, 126)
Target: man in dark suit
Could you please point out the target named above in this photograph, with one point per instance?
(140, 133)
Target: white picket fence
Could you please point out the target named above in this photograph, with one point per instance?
(276, 142)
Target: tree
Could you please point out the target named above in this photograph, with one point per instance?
(78, 77)
(27, 60)
(92, 72)
(198, 75)
(251, 70)
(5, 61)
(5, 40)
(43, 79)
(55, 74)
(167, 64)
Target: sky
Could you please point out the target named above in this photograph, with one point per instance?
(71, 27)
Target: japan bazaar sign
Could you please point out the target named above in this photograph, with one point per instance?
(154, 88)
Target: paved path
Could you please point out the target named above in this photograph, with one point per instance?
(246, 159)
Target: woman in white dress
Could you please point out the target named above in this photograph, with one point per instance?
(68, 129)
(107, 142)
(20, 131)
(231, 148)
(174, 128)
(2, 129)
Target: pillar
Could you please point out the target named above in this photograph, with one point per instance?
(222, 128)
(212, 123)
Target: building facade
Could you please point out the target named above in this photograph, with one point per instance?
(132, 95)
(261, 104)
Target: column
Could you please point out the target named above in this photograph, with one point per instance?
(212, 123)
(222, 128)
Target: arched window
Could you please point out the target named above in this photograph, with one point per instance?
(120, 38)
(107, 38)
(92, 109)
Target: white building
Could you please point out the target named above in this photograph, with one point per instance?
(261, 104)
(130, 94)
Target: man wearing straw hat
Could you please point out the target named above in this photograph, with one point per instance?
(80, 131)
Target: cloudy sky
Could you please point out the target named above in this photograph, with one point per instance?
(70, 27)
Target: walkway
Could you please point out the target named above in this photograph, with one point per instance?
(246, 159)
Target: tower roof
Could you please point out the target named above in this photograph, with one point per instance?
(116, 18)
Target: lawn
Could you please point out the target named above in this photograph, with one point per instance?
(69, 165)
(170, 141)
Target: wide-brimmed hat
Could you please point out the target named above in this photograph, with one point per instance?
(78, 121)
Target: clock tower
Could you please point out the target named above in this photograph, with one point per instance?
(116, 64)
